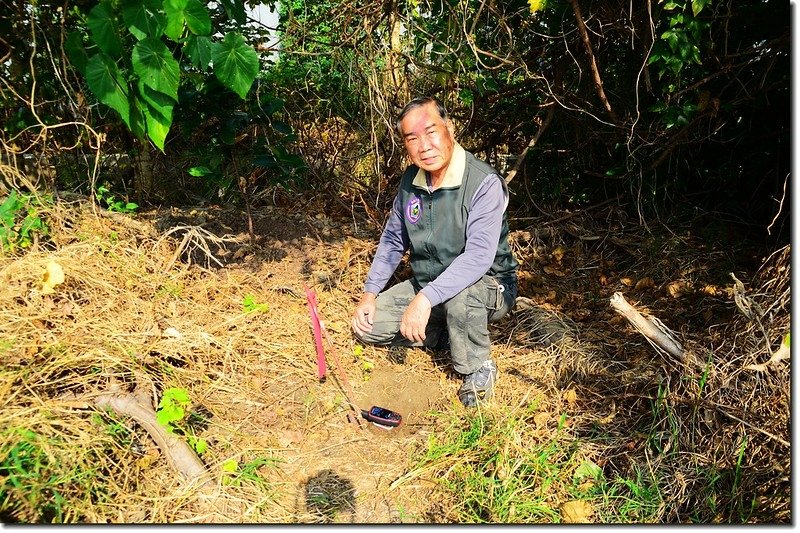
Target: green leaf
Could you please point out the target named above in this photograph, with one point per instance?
(250, 305)
(102, 25)
(173, 9)
(169, 413)
(235, 10)
(106, 82)
(197, 18)
(198, 48)
(157, 114)
(235, 63)
(137, 125)
(156, 67)
(191, 12)
(144, 18)
(76, 51)
(695, 55)
(199, 445)
(176, 394)
(200, 171)
(281, 127)
(230, 465)
(698, 5)
(588, 469)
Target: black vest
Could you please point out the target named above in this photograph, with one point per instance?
(438, 231)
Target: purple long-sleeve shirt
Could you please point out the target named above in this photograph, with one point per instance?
(483, 233)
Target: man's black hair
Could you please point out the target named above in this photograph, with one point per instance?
(420, 102)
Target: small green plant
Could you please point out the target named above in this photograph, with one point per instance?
(249, 305)
(635, 500)
(366, 364)
(104, 196)
(20, 222)
(171, 414)
(169, 289)
(236, 475)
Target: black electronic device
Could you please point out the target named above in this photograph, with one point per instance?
(382, 416)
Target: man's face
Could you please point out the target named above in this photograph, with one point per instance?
(428, 139)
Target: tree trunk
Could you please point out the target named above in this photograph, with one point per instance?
(144, 181)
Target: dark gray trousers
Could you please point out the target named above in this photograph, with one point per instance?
(463, 319)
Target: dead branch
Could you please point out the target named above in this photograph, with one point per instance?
(598, 81)
(547, 120)
(137, 406)
(656, 333)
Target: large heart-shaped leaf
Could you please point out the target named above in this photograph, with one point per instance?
(198, 48)
(235, 63)
(191, 12)
(104, 29)
(157, 114)
(138, 126)
(144, 18)
(197, 18)
(156, 67)
(106, 82)
(173, 9)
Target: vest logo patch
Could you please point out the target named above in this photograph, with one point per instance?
(414, 209)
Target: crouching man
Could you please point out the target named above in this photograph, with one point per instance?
(449, 213)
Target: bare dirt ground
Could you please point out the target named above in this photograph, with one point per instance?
(137, 306)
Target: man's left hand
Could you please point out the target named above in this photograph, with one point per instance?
(415, 318)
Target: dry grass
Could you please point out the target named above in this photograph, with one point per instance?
(577, 386)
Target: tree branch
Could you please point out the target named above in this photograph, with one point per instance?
(598, 82)
(547, 120)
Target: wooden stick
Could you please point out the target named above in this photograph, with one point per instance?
(348, 390)
(647, 327)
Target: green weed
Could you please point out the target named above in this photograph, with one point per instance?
(237, 475)
(105, 197)
(169, 289)
(5, 345)
(114, 429)
(35, 485)
(636, 500)
(171, 413)
(20, 222)
(249, 305)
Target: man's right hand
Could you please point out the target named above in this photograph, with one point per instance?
(364, 314)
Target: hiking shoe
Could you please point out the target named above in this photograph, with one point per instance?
(479, 385)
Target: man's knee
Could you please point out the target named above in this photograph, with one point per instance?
(374, 337)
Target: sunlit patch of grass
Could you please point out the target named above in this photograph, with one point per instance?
(497, 468)
(637, 499)
(37, 484)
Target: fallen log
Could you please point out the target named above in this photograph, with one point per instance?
(179, 455)
(656, 333)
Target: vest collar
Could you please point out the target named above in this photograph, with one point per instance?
(454, 174)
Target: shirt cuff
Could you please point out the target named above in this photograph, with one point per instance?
(432, 295)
